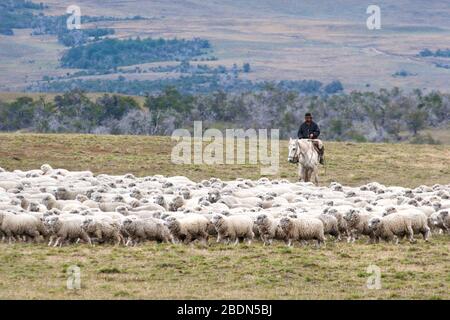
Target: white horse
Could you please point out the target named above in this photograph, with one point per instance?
(303, 152)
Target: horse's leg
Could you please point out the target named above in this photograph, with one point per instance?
(300, 173)
(316, 176)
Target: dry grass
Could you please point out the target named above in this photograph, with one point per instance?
(151, 271)
(349, 163)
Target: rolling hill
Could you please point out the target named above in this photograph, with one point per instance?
(282, 40)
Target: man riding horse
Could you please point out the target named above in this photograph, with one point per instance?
(310, 130)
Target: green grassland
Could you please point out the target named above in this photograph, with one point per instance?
(152, 271)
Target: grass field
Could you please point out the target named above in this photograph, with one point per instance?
(349, 163)
(336, 271)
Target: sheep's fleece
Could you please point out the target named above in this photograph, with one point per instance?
(47, 204)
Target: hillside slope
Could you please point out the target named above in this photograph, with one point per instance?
(282, 40)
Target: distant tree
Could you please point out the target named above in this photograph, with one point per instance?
(246, 67)
(415, 121)
(334, 87)
(426, 53)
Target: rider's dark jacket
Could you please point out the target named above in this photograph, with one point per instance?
(307, 129)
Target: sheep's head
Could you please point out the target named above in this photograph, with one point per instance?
(437, 206)
(16, 202)
(213, 195)
(81, 197)
(118, 198)
(352, 216)
(34, 206)
(176, 203)
(408, 193)
(50, 222)
(112, 185)
(334, 186)
(217, 220)
(186, 193)
(97, 197)
(388, 211)
(374, 223)
(426, 203)
(136, 193)
(122, 210)
(331, 211)
(413, 202)
(48, 199)
(157, 214)
(134, 203)
(173, 225)
(88, 225)
(167, 184)
(46, 168)
(443, 194)
(129, 176)
(262, 219)
(160, 200)
(350, 194)
(286, 224)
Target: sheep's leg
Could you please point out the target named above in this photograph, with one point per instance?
(318, 243)
(35, 236)
(129, 242)
(188, 239)
(51, 240)
(426, 234)
(57, 241)
(289, 243)
(119, 240)
(410, 233)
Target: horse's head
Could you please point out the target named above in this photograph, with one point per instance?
(293, 156)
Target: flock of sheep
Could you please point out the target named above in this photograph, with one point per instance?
(61, 207)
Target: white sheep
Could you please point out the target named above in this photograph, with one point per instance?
(139, 230)
(269, 228)
(302, 229)
(358, 224)
(189, 228)
(102, 230)
(233, 228)
(21, 225)
(392, 227)
(66, 229)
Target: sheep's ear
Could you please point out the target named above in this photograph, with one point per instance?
(444, 213)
